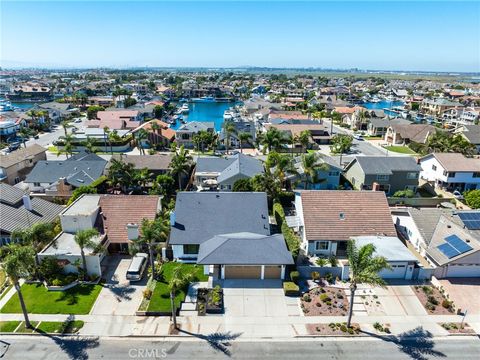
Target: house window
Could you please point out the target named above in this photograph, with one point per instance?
(476, 174)
(333, 173)
(321, 245)
(17, 180)
(185, 136)
(382, 177)
(451, 174)
(190, 249)
(445, 173)
(434, 167)
(412, 175)
(37, 184)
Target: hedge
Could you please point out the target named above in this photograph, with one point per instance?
(292, 240)
(278, 213)
(290, 288)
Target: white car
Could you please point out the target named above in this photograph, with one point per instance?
(78, 121)
(458, 195)
(358, 137)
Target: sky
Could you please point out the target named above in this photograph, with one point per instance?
(422, 36)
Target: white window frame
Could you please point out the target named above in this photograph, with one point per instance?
(318, 243)
(382, 177)
(412, 175)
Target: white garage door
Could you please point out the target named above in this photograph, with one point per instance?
(463, 271)
(397, 272)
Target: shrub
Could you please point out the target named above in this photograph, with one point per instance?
(295, 276)
(377, 326)
(329, 303)
(318, 304)
(472, 198)
(315, 275)
(279, 213)
(292, 240)
(350, 331)
(329, 277)
(321, 262)
(57, 282)
(430, 306)
(147, 294)
(386, 330)
(339, 295)
(333, 261)
(432, 300)
(290, 288)
(427, 290)
(49, 268)
(343, 328)
(307, 298)
(332, 325)
(446, 304)
(325, 298)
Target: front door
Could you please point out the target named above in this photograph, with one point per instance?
(341, 248)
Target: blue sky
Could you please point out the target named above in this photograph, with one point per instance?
(438, 36)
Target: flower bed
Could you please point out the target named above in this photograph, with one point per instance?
(458, 328)
(433, 300)
(337, 329)
(210, 301)
(325, 301)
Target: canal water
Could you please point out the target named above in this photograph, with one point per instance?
(384, 105)
(206, 112)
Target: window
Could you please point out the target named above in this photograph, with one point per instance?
(17, 180)
(190, 249)
(412, 175)
(445, 173)
(382, 177)
(451, 174)
(333, 173)
(36, 184)
(321, 245)
(434, 167)
(476, 174)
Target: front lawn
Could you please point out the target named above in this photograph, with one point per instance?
(77, 300)
(48, 327)
(8, 326)
(160, 300)
(400, 150)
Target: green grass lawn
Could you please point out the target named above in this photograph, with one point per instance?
(8, 326)
(77, 300)
(160, 300)
(3, 277)
(58, 327)
(23, 329)
(7, 289)
(400, 150)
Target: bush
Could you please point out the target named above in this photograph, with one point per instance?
(325, 298)
(431, 299)
(427, 289)
(386, 330)
(318, 304)
(446, 304)
(147, 294)
(350, 331)
(333, 261)
(408, 193)
(307, 298)
(292, 240)
(49, 268)
(329, 277)
(339, 295)
(343, 328)
(472, 198)
(279, 213)
(57, 282)
(315, 275)
(321, 262)
(290, 288)
(430, 306)
(378, 326)
(295, 276)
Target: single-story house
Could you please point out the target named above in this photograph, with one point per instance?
(378, 126)
(157, 164)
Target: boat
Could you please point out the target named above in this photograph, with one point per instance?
(204, 99)
(227, 115)
(185, 108)
(6, 106)
(375, 100)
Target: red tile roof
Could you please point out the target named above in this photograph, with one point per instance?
(120, 210)
(364, 213)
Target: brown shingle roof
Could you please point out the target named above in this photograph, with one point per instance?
(120, 210)
(20, 155)
(456, 162)
(415, 132)
(151, 162)
(364, 213)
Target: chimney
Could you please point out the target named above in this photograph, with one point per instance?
(172, 218)
(132, 231)
(27, 202)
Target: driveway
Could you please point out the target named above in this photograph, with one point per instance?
(259, 298)
(465, 293)
(399, 299)
(118, 297)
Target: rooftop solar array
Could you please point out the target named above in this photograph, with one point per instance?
(454, 246)
(470, 219)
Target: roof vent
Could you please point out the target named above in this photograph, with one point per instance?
(341, 216)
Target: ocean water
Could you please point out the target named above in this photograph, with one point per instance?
(206, 111)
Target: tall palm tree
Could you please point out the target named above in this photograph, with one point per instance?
(153, 232)
(143, 176)
(180, 164)
(84, 239)
(273, 139)
(229, 129)
(68, 147)
(141, 135)
(155, 127)
(24, 133)
(282, 164)
(106, 132)
(312, 164)
(65, 125)
(244, 138)
(181, 276)
(364, 269)
(90, 145)
(19, 263)
(304, 139)
(113, 137)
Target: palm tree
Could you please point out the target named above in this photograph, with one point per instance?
(244, 138)
(304, 139)
(90, 145)
(141, 135)
(19, 263)
(106, 132)
(312, 164)
(121, 174)
(364, 269)
(152, 233)
(68, 146)
(155, 127)
(229, 129)
(143, 176)
(283, 166)
(273, 139)
(24, 133)
(113, 137)
(83, 238)
(180, 164)
(180, 278)
(65, 125)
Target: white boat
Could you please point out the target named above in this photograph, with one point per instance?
(227, 115)
(185, 108)
(6, 106)
(375, 100)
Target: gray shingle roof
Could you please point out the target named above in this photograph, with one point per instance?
(426, 220)
(20, 155)
(244, 249)
(387, 165)
(81, 169)
(199, 216)
(196, 126)
(472, 133)
(14, 216)
(230, 166)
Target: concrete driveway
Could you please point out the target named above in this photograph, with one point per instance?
(258, 298)
(465, 293)
(118, 297)
(399, 299)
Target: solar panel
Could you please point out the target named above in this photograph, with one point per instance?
(448, 250)
(458, 243)
(471, 219)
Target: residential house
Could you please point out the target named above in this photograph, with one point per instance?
(378, 126)
(402, 134)
(437, 107)
(471, 133)
(14, 166)
(451, 171)
(328, 179)
(19, 211)
(157, 164)
(379, 173)
(221, 173)
(329, 218)
(240, 127)
(185, 133)
(61, 177)
(319, 133)
(105, 101)
(57, 111)
(164, 136)
(228, 233)
(448, 239)
(116, 120)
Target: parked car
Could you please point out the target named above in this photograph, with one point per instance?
(14, 146)
(137, 267)
(458, 195)
(358, 137)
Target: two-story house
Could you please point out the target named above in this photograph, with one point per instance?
(380, 173)
(185, 133)
(451, 171)
(14, 166)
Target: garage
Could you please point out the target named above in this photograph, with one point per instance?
(242, 272)
(459, 271)
(273, 272)
(397, 272)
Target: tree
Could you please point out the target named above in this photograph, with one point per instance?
(163, 185)
(89, 145)
(243, 185)
(84, 239)
(93, 110)
(158, 111)
(121, 174)
(152, 233)
(114, 137)
(67, 147)
(444, 142)
(229, 129)
(304, 139)
(155, 127)
(244, 138)
(268, 183)
(65, 125)
(37, 236)
(143, 176)
(84, 189)
(282, 166)
(472, 198)
(364, 269)
(140, 136)
(312, 164)
(273, 139)
(19, 263)
(129, 101)
(180, 164)
(25, 134)
(341, 143)
(181, 276)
